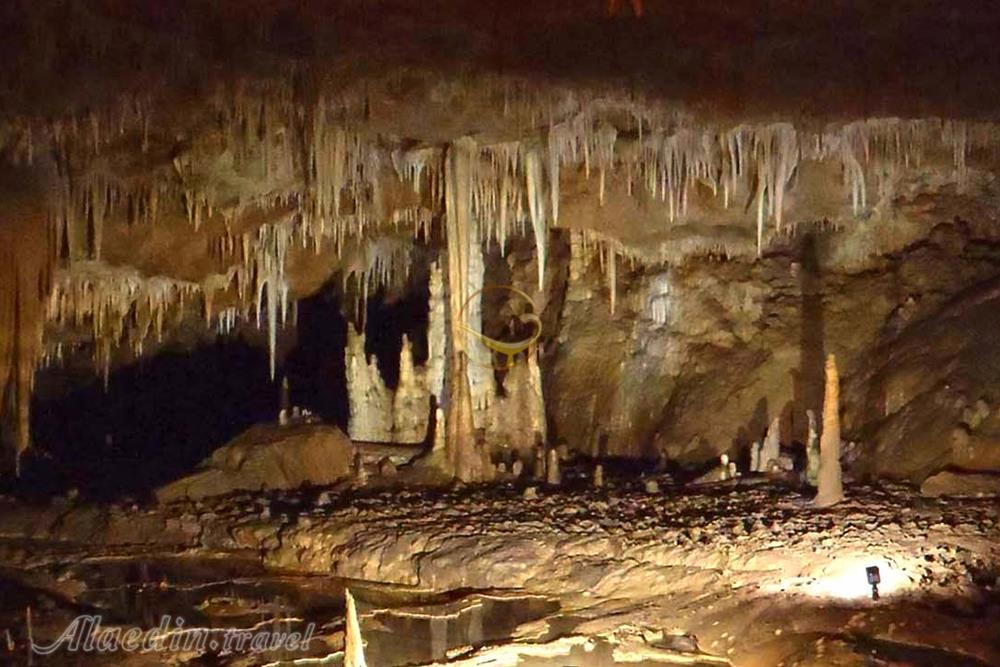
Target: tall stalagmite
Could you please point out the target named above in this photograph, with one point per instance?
(410, 402)
(354, 648)
(370, 400)
(831, 487)
(771, 449)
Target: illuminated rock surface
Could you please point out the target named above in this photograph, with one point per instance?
(482, 235)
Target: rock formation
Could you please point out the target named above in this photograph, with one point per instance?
(831, 488)
(553, 476)
(371, 405)
(354, 646)
(462, 458)
(410, 401)
(770, 450)
(813, 458)
(268, 457)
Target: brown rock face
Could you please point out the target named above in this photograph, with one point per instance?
(960, 484)
(269, 457)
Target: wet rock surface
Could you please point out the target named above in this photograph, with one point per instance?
(709, 561)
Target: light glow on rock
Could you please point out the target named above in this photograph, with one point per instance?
(845, 578)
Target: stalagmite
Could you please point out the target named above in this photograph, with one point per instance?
(552, 474)
(410, 402)
(536, 407)
(370, 401)
(771, 449)
(598, 479)
(539, 464)
(812, 451)
(354, 646)
(285, 402)
(438, 446)
(831, 487)
(360, 471)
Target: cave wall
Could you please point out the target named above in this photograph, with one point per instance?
(691, 262)
(701, 357)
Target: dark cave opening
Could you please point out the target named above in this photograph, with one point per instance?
(392, 313)
(155, 420)
(315, 366)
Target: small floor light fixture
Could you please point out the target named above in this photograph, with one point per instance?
(874, 578)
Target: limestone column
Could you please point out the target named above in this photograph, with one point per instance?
(463, 458)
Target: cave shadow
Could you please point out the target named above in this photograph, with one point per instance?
(808, 383)
(754, 431)
(315, 366)
(392, 313)
(156, 419)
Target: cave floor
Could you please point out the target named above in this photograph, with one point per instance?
(743, 573)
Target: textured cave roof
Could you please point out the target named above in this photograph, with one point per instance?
(414, 74)
(741, 60)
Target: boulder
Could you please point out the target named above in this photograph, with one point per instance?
(268, 457)
(958, 483)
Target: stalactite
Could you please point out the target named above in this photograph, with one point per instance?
(107, 297)
(613, 277)
(660, 299)
(323, 164)
(957, 133)
(536, 208)
(270, 285)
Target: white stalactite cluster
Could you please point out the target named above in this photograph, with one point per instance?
(513, 183)
(105, 298)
